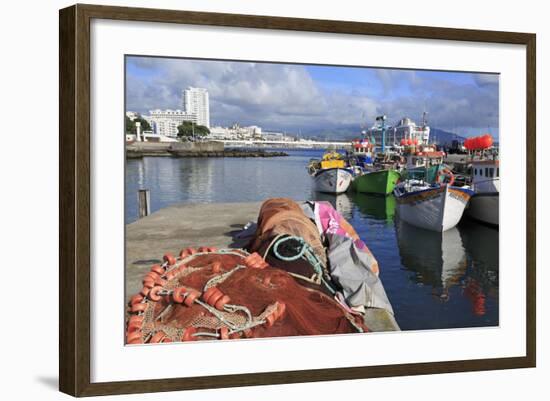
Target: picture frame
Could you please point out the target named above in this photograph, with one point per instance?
(76, 204)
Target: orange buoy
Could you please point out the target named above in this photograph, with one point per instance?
(145, 290)
(188, 334)
(149, 283)
(208, 293)
(190, 299)
(216, 266)
(224, 333)
(139, 307)
(270, 319)
(224, 300)
(153, 294)
(158, 337)
(281, 308)
(134, 335)
(169, 258)
(136, 299)
(160, 282)
(215, 298)
(179, 295)
(158, 269)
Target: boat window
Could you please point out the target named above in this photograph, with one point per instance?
(486, 172)
(475, 171)
(492, 171)
(498, 175)
(481, 172)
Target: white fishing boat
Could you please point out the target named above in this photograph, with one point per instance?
(332, 180)
(436, 207)
(486, 185)
(331, 174)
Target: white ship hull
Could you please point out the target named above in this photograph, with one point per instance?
(484, 207)
(436, 209)
(332, 181)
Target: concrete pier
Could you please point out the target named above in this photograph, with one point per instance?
(193, 225)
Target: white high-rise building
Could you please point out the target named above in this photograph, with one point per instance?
(195, 101)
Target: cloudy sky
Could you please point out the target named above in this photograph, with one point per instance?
(312, 98)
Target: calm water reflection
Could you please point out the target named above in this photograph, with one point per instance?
(433, 280)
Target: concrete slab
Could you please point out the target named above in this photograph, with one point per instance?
(181, 226)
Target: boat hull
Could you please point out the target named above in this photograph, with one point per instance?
(435, 209)
(377, 182)
(332, 181)
(484, 207)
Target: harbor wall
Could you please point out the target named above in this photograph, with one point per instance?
(137, 150)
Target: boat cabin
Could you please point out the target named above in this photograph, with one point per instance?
(486, 176)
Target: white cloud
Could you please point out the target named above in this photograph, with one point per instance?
(282, 96)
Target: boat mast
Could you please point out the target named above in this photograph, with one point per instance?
(383, 122)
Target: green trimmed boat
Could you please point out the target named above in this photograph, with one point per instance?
(376, 182)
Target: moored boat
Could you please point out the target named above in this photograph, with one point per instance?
(332, 180)
(484, 205)
(331, 174)
(376, 182)
(436, 207)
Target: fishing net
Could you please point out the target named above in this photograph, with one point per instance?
(289, 240)
(207, 294)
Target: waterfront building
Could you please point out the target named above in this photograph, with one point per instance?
(166, 122)
(403, 129)
(195, 101)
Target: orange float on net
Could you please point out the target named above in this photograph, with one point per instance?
(139, 307)
(158, 337)
(135, 323)
(181, 268)
(222, 302)
(154, 294)
(134, 326)
(224, 333)
(133, 336)
(212, 249)
(270, 320)
(179, 295)
(160, 282)
(204, 249)
(136, 299)
(148, 283)
(135, 341)
(215, 298)
(158, 269)
(190, 299)
(208, 293)
(281, 308)
(152, 275)
(145, 290)
(169, 258)
(188, 334)
(216, 267)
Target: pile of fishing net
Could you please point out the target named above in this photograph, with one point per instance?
(284, 284)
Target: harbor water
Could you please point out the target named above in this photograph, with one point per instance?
(433, 280)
